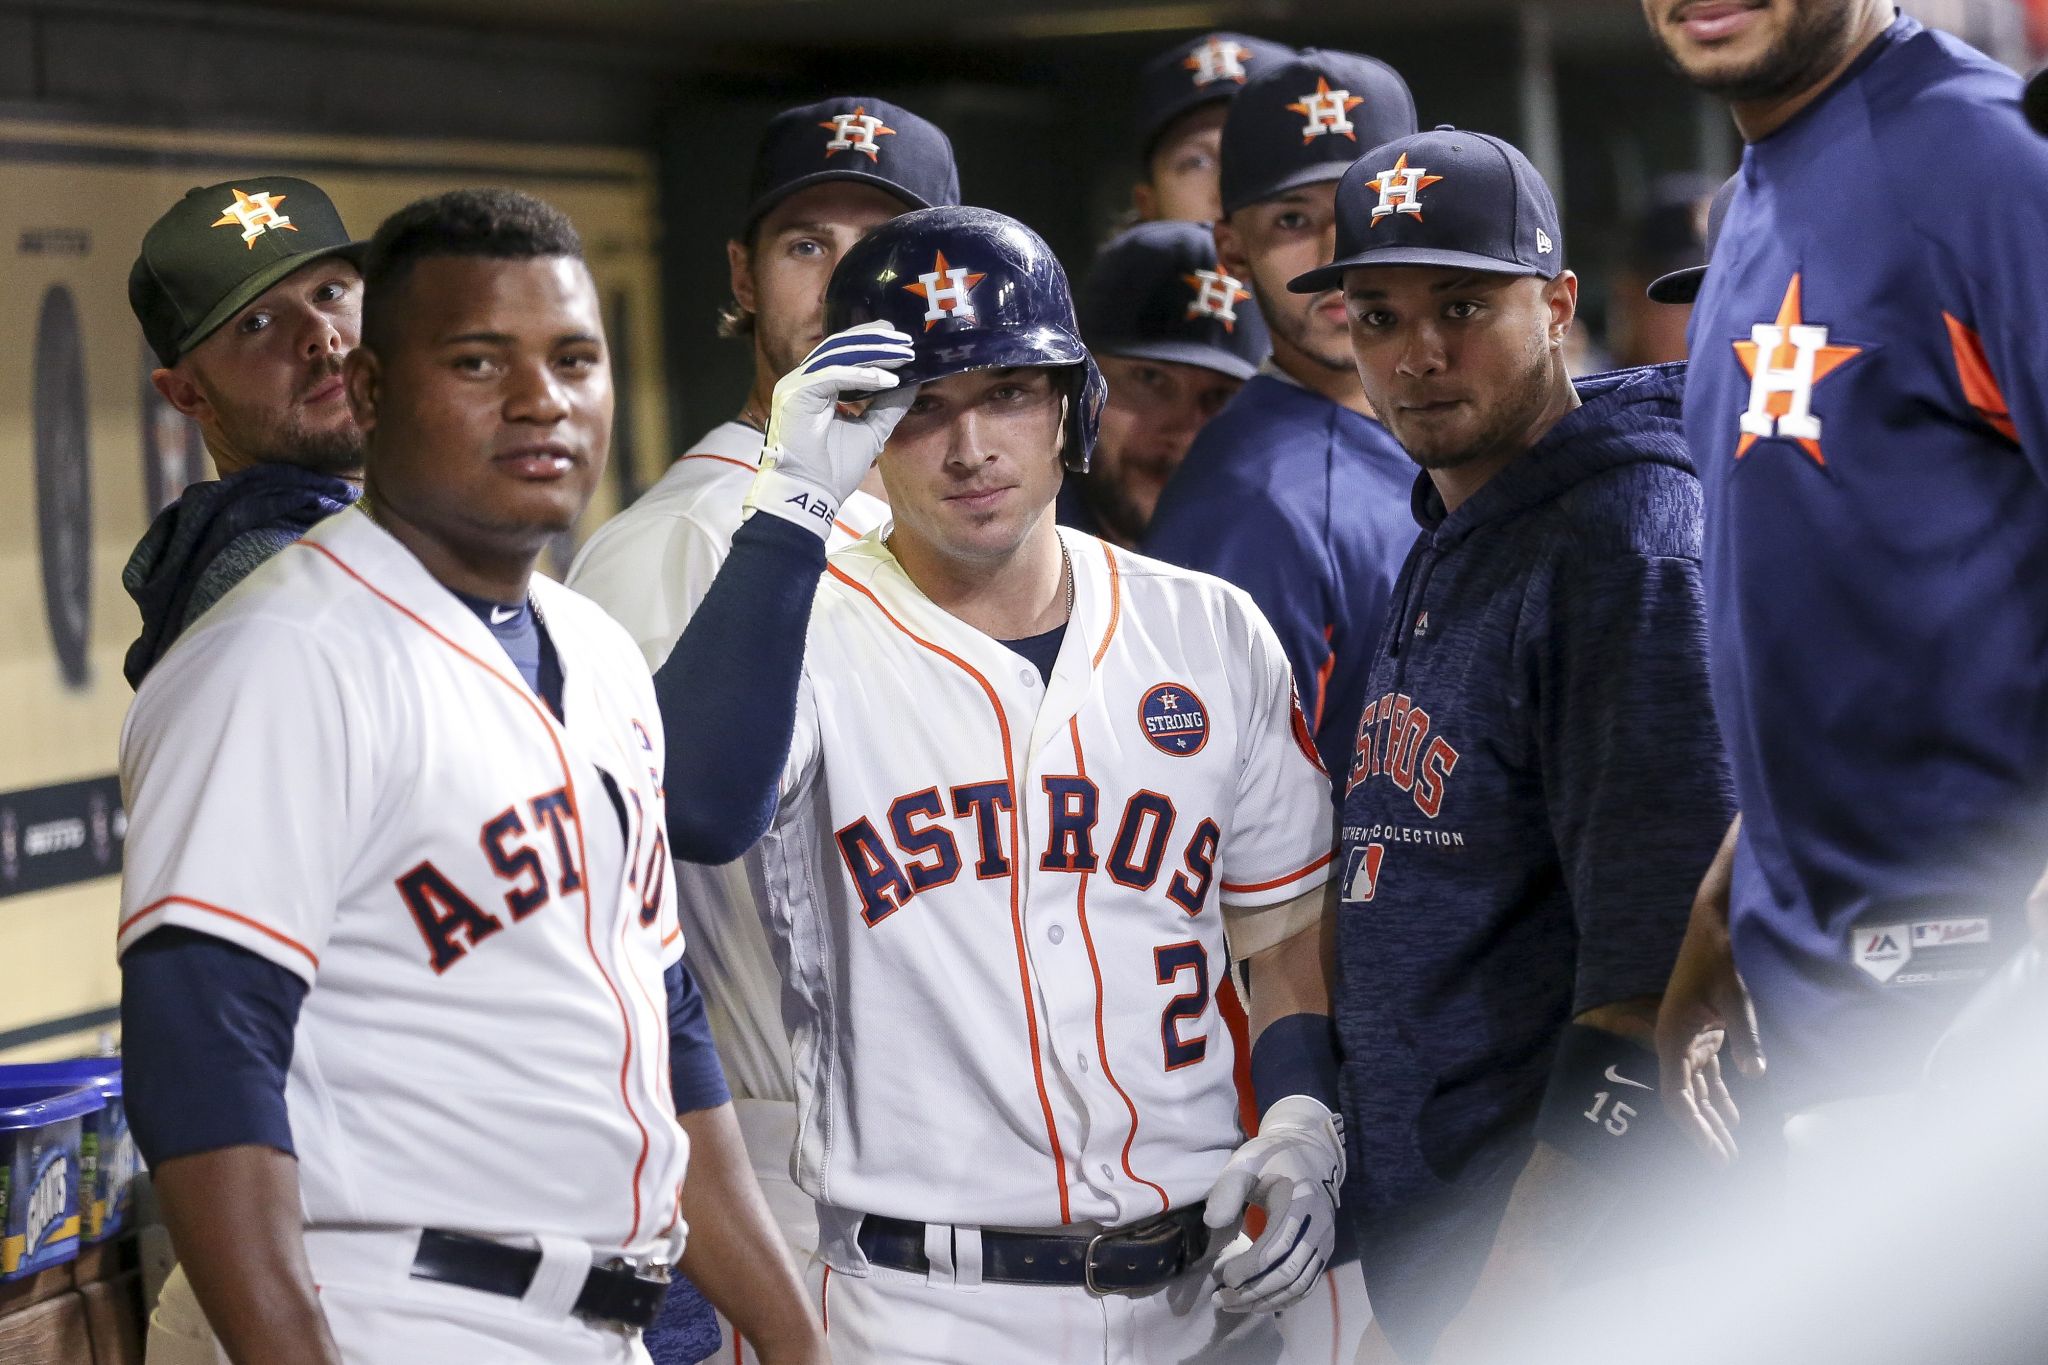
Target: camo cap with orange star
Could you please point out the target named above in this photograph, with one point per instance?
(1458, 200)
(1303, 121)
(220, 247)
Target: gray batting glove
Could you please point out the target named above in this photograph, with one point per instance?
(816, 453)
(1292, 1170)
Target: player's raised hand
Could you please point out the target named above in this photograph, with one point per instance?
(818, 449)
(1292, 1170)
(1706, 1007)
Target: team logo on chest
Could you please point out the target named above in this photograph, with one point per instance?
(255, 214)
(1219, 59)
(1785, 360)
(1174, 720)
(946, 291)
(856, 132)
(1216, 296)
(1400, 188)
(1324, 110)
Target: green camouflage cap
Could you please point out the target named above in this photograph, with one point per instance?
(220, 247)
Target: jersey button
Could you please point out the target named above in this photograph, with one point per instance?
(1028, 676)
(1081, 1060)
(1057, 934)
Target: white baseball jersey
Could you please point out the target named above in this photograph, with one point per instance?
(650, 567)
(340, 770)
(999, 899)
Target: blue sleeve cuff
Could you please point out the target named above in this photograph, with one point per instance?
(206, 1033)
(1296, 1055)
(694, 1073)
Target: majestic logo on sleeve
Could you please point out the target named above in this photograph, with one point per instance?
(1400, 189)
(856, 132)
(945, 290)
(1219, 59)
(1174, 719)
(1216, 296)
(1325, 111)
(255, 213)
(1785, 360)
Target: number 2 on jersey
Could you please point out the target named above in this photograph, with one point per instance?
(1169, 961)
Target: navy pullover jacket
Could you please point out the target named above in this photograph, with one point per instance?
(1536, 789)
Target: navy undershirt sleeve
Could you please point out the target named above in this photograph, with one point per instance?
(694, 1074)
(728, 691)
(206, 1031)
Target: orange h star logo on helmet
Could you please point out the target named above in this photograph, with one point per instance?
(1325, 111)
(256, 214)
(1216, 296)
(857, 132)
(944, 289)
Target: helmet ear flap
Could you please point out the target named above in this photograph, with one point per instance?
(1086, 395)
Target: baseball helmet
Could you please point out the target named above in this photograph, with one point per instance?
(976, 291)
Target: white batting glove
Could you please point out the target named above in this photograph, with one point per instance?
(1292, 1170)
(816, 455)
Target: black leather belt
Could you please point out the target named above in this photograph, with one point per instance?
(1132, 1258)
(617, 1293)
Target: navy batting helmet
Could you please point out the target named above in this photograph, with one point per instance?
(976, 291)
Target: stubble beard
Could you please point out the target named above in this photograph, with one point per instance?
(1813, 41)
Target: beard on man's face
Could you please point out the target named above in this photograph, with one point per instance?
(268, 436)
(1816, 34)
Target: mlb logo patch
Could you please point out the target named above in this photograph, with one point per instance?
(1362, 873)
(1946, 933)
(1174, 720)
(1881, 949)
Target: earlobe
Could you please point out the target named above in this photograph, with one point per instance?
(1229, 253)
(180, 392)
(1144, 202)
(359, 376)
(740, 271)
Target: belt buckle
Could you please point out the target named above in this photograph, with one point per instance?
(1129, 1232)
(1088, 1265)
(659, 1271)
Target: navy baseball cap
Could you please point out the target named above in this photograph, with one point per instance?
(215, 251)
(1204, 70)
(1155, 293)
(868, 141)
(1305, 120)
(1447, 198)
(1683, 286)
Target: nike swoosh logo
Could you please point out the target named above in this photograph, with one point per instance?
(1619, 1079)
(500, 615)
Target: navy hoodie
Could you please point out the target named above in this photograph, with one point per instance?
(212, 538)
(1537, 787)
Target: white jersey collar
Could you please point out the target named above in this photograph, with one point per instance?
(375, 558)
